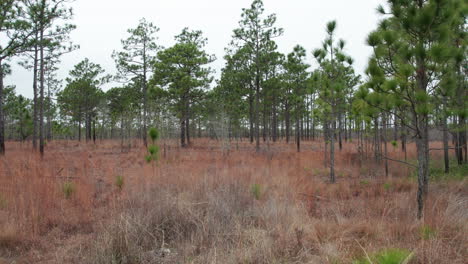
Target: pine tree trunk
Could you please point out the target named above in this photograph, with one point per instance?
(384, 138)
(445, 137)
(41, 106)
(332, 150)
(145, 97)
(326, 138)
(251, 118)
(79, 130)
(287, 121)
(340, 142)
(182, 132)
(274, 120)
(257, 110)
(35, 98)
(2, 118)
(298, 135)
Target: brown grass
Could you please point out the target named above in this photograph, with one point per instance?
(196, 206)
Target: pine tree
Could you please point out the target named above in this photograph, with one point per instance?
(256, 33)
(139, 50)
(182, 70)
(337, 79)
(17, 34)
(409, 46)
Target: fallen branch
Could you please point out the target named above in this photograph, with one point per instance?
(400, 161)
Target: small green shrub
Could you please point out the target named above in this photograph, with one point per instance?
(153, 149)
(153, 134)
(387, 186)
(256, 190)
(364, 182)
(387, 256)
(148, 158)
(68, 189)
(427, 232)
(119, 182)
(394, 143)
(3, 202)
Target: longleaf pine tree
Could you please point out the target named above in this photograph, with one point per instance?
(410, 44)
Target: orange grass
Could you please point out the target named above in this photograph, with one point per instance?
(198, 203)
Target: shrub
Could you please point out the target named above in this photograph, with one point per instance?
(387, 256)
(364, 182)
(256, 191)
(387, 186)
(153, 134)
(3, 202)
(427, 232)
(119, 182)
(68, 189)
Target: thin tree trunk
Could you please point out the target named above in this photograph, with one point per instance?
(298, 135)
(35, 99)
(251, 119)
(384, 138)
(182, 132)
(445, 137)
(287, 121)
(2, 118)
(41, 109)
(332, 150)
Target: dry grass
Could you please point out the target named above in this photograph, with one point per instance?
(197, 206)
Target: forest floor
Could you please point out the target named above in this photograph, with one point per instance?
(217, 202)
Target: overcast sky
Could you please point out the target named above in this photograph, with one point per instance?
(101, 24)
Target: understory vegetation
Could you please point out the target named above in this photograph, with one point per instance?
(206, 205)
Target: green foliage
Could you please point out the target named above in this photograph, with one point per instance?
(364, 182)
(457, 172)
(68, 188)
(3, 202)
(387, 256)
(256, 190)
(394, 143)
(153, 149)
(387, 186)
(82, 94)
(138, 51)
(154, 134)
(148, 158)
(119, 182)
(427, 232)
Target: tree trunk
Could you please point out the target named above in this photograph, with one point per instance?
(377, 141)
(274, 120)
(41, 106)
(287, 121)
(2, 118)
(298, 135)
(445, 136)
(35, 99)
(340, 142)
(332, 150)
(251, 118)
(384, 138)
(79, 130)
(145, 97)
(257, 110)
(182, 132)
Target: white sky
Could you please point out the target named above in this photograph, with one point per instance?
(101, 24)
